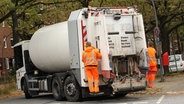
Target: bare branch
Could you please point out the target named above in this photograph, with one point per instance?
(7, 16)
(175, 27)
(171, 17)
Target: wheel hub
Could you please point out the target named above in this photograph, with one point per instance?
(71, 89)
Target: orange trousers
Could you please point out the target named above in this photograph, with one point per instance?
(151, 76)
(93, 78)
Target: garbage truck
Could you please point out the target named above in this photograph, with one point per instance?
(51, 61)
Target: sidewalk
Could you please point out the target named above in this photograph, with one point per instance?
(172, 85)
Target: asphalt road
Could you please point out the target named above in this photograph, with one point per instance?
(129, 99)
(169, 92)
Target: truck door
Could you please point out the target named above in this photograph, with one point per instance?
(19, 66)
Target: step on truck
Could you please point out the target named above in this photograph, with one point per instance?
(51, 61)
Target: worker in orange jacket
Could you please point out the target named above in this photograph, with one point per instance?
(152, 71)
(90, 58)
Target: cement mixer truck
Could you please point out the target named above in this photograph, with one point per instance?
(50, 62)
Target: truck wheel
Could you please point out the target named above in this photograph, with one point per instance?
(72, 89)
(56, 89)
(25, 89)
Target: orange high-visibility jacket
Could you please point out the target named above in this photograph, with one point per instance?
(151, 56)
(90, 56)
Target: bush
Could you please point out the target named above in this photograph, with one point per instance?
(7, 87)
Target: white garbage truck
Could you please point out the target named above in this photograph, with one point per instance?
(51, 61)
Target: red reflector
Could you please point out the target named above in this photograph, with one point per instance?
(126, 13)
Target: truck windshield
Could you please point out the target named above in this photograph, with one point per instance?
(18, 57)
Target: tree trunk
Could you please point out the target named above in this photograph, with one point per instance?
(14, 28)
(85, 3)
(178, 42)
(165, 48)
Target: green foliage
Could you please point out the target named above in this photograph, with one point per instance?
(37, 13)
(5, 6)
(34, 14)
(7, 88)
(112, 3)
(4, 91)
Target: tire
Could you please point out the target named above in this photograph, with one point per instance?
(71, 89)
(25, 89)
(57, 89)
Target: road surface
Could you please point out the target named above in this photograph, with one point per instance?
(170, 98)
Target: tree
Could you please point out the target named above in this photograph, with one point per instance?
(170, 16)
(26, 16)
(29, 15)
(8, 9)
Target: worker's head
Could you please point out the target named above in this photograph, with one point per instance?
(150, 43)
(88, 44)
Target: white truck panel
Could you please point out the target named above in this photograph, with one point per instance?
(140, 41)
(121, 43)
(98, 36)
(75, 39)
(49, 48)
(76, 44)
(103, 43)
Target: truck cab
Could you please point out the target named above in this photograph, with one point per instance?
(19, 50)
